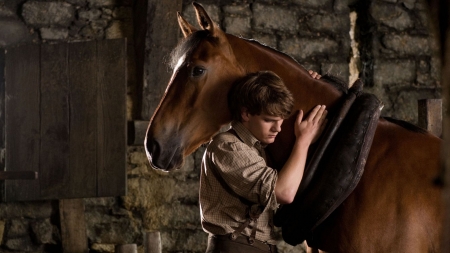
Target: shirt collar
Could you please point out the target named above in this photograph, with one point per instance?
(245, 135)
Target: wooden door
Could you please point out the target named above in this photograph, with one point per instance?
(65, 118)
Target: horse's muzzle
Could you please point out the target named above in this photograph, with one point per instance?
(163, 157)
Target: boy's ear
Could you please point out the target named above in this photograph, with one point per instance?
(244, 114)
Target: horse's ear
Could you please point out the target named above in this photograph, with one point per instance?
(185, 27)
(203, 18)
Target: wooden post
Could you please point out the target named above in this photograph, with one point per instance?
(126, 248)
(162, 36)
(430, 115)
(136, 132)
(152, 242)
(73, 226)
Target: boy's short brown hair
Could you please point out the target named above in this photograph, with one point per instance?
(260, 92)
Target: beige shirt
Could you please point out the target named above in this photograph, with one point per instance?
(240, 164)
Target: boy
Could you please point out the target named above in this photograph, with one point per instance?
(238, 191)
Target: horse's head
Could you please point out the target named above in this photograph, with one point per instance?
(194, 105)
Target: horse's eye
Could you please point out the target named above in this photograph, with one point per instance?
(197, 71)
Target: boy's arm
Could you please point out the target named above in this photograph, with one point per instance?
(291, 174)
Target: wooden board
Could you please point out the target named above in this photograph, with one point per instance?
(66, 119)
(55, 99)
(22, 123)
(430, 115)
(111, 141)
(83, 119)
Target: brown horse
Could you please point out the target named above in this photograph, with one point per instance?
(395, 207)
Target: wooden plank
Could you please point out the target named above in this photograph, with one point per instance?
(22, 120)
(2, 120)
(73, 226)
(83, 119)
(136, 132)
(54, 156)
(162, 36)
(111, 159)
(430, 115)
(2, 101)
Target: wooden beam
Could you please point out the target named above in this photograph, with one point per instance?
(161, 37)
(73, 226)
(430, 115)
(152, 242)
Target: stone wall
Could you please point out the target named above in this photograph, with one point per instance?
(399, 60)
(397, 63)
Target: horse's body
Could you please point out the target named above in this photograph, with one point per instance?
(395, 207)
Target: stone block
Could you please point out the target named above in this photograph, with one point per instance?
(32, 210)
(404, 45)
(90, 14)
(237, 10)
(6, 13)
(105, 228)
(404, 103)
(266, 39)
(212, 10)
(410, 4)
(341, 6)
(338, 69)
(394, 72)
(268, 18)
(329, 23)
(172, 216)
(23, 244)
(185, 240)
(100, 202)
(313, 3)
(54, 33)
(13, 32)
(237, 25)
(103, 3)
(391, 15)
(99, 24)
(120, 29)
(40, 14)
(77, 2)
(42, 231)
(303, 48)
(18, 227)
(103, 247)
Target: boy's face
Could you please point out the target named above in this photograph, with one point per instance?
(264, 127)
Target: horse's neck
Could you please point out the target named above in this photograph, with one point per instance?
(307, 91)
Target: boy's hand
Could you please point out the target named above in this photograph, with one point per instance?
(314, 74)
(309, 130)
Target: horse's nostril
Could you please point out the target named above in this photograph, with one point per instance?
(162, 155)
(153, 148)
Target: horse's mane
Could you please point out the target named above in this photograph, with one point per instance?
(335, 81)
